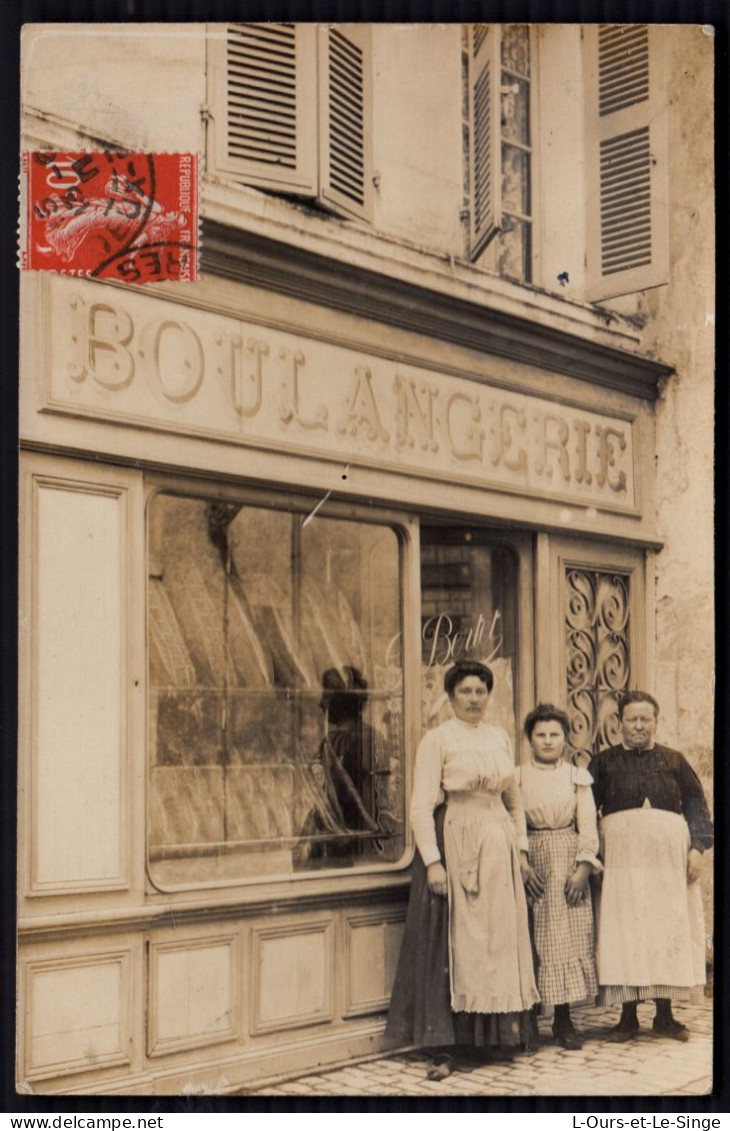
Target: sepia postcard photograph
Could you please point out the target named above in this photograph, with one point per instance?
(366, 580)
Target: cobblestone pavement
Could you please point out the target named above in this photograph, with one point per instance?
(647, 1066)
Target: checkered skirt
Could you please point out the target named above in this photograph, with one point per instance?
(563, 936)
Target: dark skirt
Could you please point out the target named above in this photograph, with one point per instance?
(420, 1012)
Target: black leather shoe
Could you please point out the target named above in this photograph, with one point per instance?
(624, 1031)
(671, 1028)
(567, 1037)
(441, 1067)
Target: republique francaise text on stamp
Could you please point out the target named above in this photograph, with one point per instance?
(132, 217)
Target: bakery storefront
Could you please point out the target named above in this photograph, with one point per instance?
(261, 516)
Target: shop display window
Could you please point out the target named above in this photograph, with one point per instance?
(275, 691)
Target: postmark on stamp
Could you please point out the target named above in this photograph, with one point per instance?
(132, 217)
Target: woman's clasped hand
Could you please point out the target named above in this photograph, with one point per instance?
(533, 884)
(438, 881)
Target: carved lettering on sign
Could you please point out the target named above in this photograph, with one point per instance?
(509, 418)
(190, 370)
(171, 357)
(416, 412)
(583, 430)
(607, 457)
(290, 393)
(110, 332)
(361, 409)
(243, 378)
(464, 422)
(554, 437)
(79, 325)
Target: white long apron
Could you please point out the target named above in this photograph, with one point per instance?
(471, 766)
(490, 953)
(650, 921)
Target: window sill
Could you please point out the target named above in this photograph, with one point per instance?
(165, 909)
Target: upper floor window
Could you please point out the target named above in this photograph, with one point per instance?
(617, 141)
(290, 109)
(500, 145)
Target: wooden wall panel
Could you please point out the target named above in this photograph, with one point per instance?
(79, 729)
(192, 993)
(77, 1014)
(292, 972)
(372, 946)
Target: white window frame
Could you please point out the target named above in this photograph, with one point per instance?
(406, 529)
(482, 238)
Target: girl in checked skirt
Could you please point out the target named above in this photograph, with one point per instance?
(563, 843)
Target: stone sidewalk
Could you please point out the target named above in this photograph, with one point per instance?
(648, 1066)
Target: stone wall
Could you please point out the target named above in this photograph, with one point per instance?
(680, 330)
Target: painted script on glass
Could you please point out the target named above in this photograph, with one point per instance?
(450, 639)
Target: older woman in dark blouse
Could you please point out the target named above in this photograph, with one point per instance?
(655, 825)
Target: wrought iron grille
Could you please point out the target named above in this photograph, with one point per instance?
(597, 655)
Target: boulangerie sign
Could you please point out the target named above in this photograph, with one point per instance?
(160, 364)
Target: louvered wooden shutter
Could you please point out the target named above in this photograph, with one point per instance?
(263, 104)
(345, 124)
(627, 160)
(484, 136)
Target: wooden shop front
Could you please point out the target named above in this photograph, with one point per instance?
(261, 516)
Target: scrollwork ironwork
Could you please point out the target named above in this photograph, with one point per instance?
(598, 655)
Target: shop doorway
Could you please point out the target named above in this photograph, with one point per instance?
(470, 600)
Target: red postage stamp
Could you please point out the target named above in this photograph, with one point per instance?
(132, 217)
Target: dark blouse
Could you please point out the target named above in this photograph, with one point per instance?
(625, 779)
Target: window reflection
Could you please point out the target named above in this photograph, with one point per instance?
(351, 756)
(515, 48)
(514, 250)
(275, 692)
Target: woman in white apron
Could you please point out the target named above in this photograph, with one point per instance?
(468, 764)
(654, 827)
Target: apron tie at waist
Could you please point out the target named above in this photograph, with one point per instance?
(551, 829)
(475, 800)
